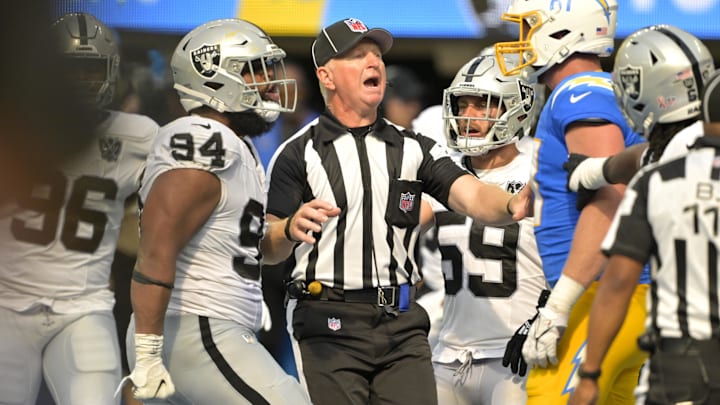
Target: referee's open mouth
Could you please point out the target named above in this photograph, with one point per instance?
(372, 82)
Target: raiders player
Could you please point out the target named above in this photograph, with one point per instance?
(196, 288)
(493, 276)
(56, 307)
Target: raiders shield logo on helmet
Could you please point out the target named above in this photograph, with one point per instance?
(630, 78)
(206, 59)
(527, 93)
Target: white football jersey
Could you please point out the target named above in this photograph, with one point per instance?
(682, 141)
(218, 271)
(58, 249)
(493, 275)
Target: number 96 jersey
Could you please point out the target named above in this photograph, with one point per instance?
(58, 248)
(218, 271)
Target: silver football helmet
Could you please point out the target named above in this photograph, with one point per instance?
(231, 65)
(552, 31)
(512, 118)
(658, 76)
(91, 55)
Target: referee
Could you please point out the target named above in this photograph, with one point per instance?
(669, 216)
(344, 196)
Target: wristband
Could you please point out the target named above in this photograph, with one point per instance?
(589, 375)
(564, 295)
(287, 229)
(596, 177)
(143, 279)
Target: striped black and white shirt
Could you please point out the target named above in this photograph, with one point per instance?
(376, 178)
(670, 216)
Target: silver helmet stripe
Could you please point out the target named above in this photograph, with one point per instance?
(691, 57)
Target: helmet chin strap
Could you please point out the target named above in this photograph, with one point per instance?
(268, 111)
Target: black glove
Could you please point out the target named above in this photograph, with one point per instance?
(584, 195)
(513, 351)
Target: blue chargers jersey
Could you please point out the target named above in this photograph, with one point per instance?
(584, 96)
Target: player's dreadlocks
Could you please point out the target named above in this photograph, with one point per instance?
(660, 137)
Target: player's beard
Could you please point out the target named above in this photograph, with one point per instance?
(249, 123)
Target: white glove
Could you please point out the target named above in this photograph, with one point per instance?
(150, 377)
(588, 173)
(541, 344)
(266, 319)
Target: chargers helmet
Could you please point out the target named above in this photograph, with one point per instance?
(551, 31)
(658, 76)
(481, 77)
(209, 62)
(91, 54)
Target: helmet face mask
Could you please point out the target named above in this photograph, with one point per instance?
(485, 110)
(231, 65)
(548, 36)
(90, 56)
(658, 76)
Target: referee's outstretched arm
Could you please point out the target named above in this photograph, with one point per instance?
(488, 203)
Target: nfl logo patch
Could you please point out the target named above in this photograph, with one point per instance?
(334, 324)
(110, 148)
(206, 59)
(356, 25)
(407, 201)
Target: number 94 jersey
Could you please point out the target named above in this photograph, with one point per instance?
(493, 275)
(218, 271)
(58, 248)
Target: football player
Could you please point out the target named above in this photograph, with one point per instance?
(678, 235)
(660, 55)
(564, 41)
(56, 317)
(196, 289)
(493, 276)
(658, 75)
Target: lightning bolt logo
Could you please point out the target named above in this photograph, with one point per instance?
(572, 380)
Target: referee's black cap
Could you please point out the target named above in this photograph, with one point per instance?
(711, 99)
(342, 35)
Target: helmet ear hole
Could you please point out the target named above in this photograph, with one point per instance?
(653, 58)
(560, 34)
(213, 85)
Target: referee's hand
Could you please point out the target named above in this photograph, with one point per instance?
(309, 218)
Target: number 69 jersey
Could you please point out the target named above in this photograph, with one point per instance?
(218, 271)
(58, 248)
(493, 275)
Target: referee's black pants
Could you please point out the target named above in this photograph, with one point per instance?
(685, 371)
(357, 353)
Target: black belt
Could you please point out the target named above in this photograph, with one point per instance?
(685, 345)
(384, 296)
